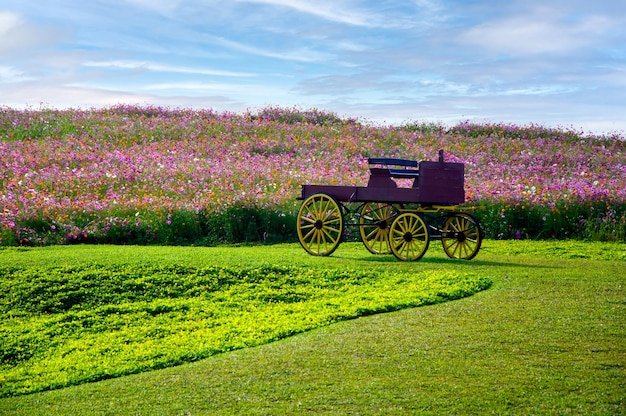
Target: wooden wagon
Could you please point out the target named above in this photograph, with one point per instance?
(393, 219)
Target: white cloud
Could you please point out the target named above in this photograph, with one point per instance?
(17, 36)
(299, 55)
(365, 14)
(8, 22)
(159, 6)
(150, 66)
(64, 96)
(538, 33)
(196, 88)
(11, 74)
(538, 90)
(334, 11)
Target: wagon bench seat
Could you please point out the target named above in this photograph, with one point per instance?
(381, 177)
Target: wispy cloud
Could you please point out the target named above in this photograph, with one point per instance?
(299, 55)
(543, 32)
(380, 14)
(333, 10)
(11, 74)
(150, 66)
(159, 6)
(224, 88)
(9, 21)
(17, 36)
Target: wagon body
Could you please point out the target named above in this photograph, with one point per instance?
(438, 183)
(392, 218)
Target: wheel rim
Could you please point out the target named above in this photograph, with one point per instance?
(374, 227)
(462, 237)
(408, 237)
(320, 225)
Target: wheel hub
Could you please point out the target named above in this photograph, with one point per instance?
(319, 224)
(408, 237)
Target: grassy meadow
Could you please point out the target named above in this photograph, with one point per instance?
(542, 333)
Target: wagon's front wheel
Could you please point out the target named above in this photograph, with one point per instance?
(408, 237)
(320, 224)
(374, 225)
(461, 237)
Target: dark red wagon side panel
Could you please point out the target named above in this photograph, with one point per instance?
(436, 183)
(441, 183)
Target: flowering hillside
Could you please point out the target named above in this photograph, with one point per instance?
(148, 174)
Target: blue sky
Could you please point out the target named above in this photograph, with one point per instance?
(559, 63)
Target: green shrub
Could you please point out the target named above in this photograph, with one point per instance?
(596, 221)
(246, 225)
(599, 221)
(296, 115)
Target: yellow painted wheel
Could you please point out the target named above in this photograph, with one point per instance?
(461, 237)
(408, 237)
(374, 225)
(320, 225)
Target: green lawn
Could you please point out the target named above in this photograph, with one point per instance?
(548, 337)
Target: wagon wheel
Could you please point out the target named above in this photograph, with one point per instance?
(320, 225)
(461, 237)
(408, 237)
(374, 226)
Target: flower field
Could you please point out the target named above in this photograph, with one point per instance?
(130, 174)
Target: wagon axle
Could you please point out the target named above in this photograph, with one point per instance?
(460, 237)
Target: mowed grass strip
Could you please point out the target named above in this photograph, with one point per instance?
(546, 338)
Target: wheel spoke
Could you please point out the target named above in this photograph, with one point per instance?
(326, 212)
(311, 221)
(318, 240)
(382, 243)
(333, 220)
(374, 234)
(307, 226)
(309, 216)
(309, 234)
(456, 247)
(327, 233)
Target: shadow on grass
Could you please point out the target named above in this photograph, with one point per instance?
(439, 260)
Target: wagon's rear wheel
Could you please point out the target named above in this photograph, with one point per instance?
(462, 236)
(374, 224)
(408, 237)
(320, 225)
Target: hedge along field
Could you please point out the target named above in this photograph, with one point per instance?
(130, 174)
